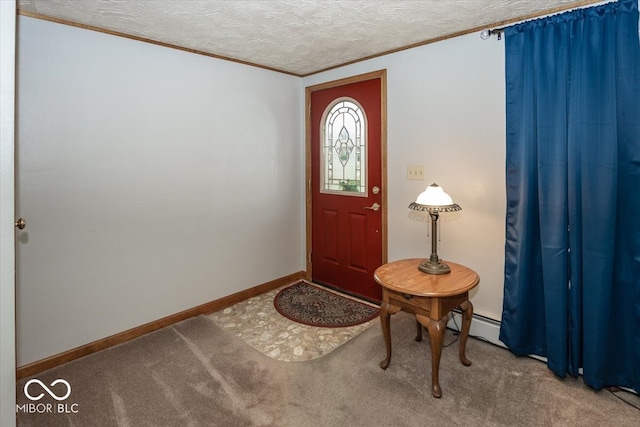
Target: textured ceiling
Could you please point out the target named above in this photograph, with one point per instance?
(298, 37)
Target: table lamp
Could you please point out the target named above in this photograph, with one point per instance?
(434, 200)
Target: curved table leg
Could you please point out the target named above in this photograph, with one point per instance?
(467, 314)
(418, 331)
(386, 311)
(436, 333)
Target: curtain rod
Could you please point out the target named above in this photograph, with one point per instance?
(485, 34)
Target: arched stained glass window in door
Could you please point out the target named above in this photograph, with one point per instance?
(344, 144)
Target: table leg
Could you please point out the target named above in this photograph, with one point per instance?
(418, 331)
(436, 330)
(467, 314)
(385, 320)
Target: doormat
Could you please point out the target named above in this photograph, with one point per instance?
(315, 306)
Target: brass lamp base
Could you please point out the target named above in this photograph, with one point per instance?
(431, 267)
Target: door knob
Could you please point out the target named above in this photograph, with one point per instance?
(21, 223)
(373, 207)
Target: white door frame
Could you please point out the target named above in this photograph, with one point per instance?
(7, 214)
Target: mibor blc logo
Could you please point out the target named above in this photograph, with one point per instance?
(35, 390)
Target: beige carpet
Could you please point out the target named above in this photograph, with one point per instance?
(196, 374)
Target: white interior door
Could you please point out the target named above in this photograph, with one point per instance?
(7, 198)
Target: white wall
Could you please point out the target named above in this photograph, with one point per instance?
(152, 180)
(137, 163)
(446, 111)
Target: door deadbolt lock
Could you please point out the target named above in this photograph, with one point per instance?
(375, 189)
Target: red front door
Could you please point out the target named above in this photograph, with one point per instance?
(347, 188)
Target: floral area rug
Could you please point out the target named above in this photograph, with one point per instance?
(316, 306)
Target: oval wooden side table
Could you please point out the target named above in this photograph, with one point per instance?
(430, 297)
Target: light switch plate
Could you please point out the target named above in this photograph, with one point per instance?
(415, 172)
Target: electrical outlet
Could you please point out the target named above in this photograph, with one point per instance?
(415, 172)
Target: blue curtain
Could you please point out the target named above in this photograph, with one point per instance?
(572, 267)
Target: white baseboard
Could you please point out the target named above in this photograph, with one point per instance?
(481, 327)
(485, 329)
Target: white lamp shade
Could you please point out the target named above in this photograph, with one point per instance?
(434, 195)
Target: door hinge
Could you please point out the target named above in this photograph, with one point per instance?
(309, 257)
